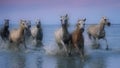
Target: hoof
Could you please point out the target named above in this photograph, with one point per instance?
(82, 58)
(107, 48)
(25, 46)
(96, 46)
(69, 54)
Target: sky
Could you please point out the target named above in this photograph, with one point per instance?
(49, 11)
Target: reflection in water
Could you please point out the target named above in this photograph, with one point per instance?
(11, 60)
(97, 60)
(49, 62)
(69, 62)
(31, 61)
(34, 59)
(113, 62)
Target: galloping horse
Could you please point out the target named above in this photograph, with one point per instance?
(77, 39)
(4, 32)
(98, 32)
(17, 35)
(62, 34)
(36, 32)
(27, 32)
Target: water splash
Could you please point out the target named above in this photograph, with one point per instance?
(53, 49)
(3, 44)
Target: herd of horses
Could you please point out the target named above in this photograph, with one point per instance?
(64, 39)
(21, 34)
(69, 41)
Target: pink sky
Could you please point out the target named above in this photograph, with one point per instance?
(62, 3)
(50, 10)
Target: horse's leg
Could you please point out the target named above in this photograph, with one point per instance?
(3, 38)
(10, 43)
(70, 48)
(97, 42)
(24, 43)
(106, 44)
(82, 48)
(18, 46)
(64, 46)
(78, 50)
(82, 54)
(93, 41)
(33, 37)
(37, 42)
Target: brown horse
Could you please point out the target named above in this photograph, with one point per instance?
(17, 35)
(77, 38)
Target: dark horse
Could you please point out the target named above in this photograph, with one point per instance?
(27, 31)
(4, 31)
(37, 32)
(62, 35)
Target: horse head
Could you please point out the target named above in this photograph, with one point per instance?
(81, 24)
(64, 21)
(105, 21)
(38, 23)
(6, 23)
(23, 24)
(28, 24)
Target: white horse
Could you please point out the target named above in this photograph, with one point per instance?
(98, 32)
(37, 33)
(17, 35)
(62, 34)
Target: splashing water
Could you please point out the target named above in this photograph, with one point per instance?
(3, 44)
(53, 49)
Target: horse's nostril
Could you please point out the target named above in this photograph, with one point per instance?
(109, 24)
(29, 27)
(7, 26)
(82, 29)
(38, 26)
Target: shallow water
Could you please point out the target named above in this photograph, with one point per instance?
(49, 56)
